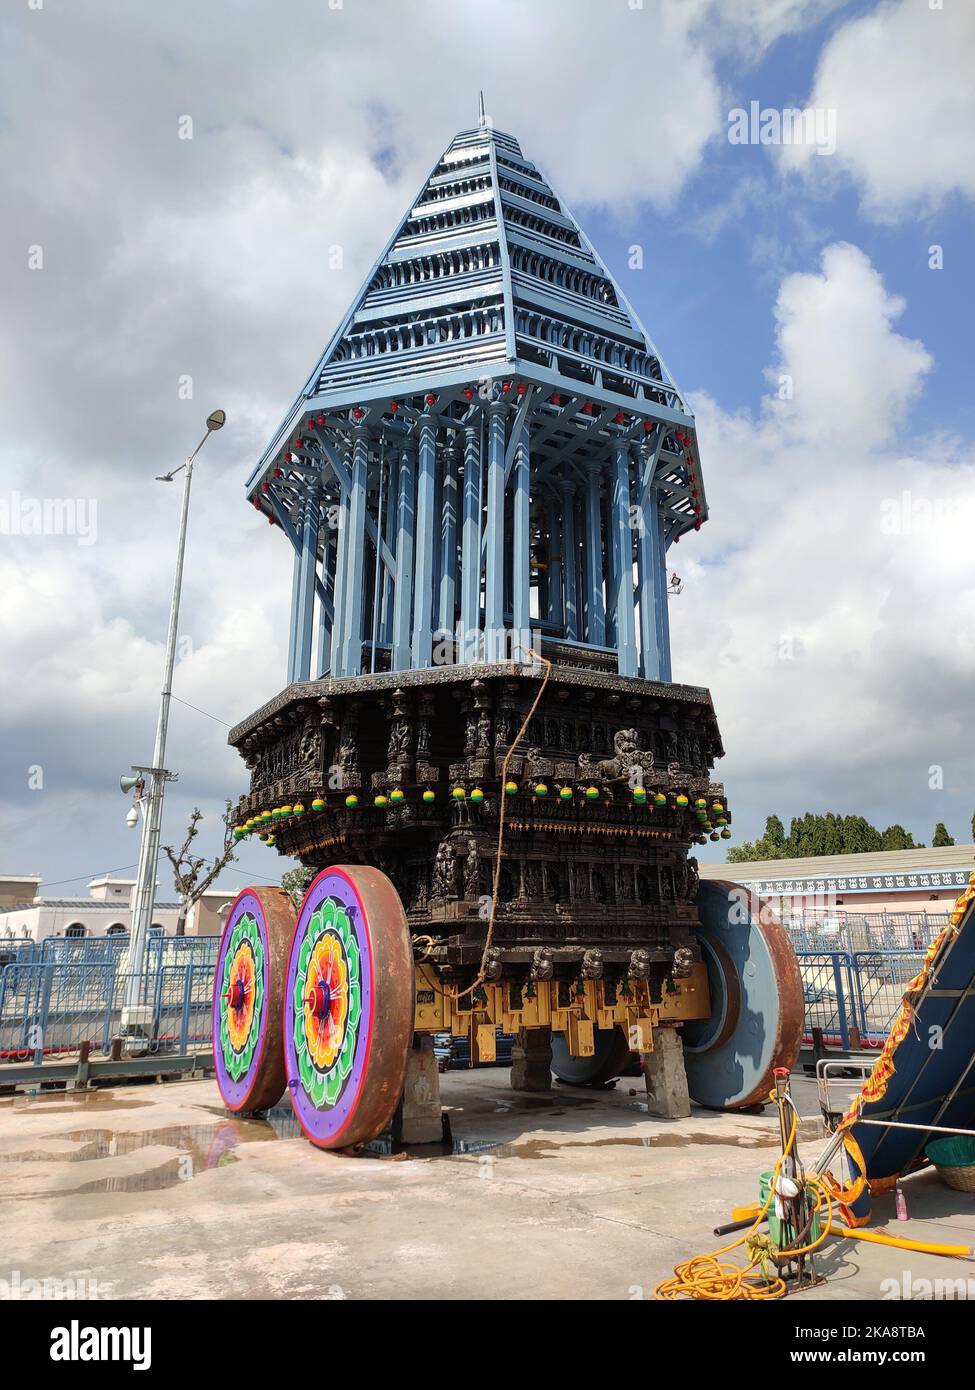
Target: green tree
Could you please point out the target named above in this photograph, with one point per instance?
(833, 834)
(774, 836)
(941, 836)
(295, 882)
(814, 834)
(742, 854)
(896, 837)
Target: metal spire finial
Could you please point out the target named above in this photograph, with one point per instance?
(480, 110)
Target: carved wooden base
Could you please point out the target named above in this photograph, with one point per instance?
(595, 875)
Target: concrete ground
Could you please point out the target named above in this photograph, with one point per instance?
(154, 1192)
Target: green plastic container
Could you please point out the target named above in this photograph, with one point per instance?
(957, 1151)
(774, 1224)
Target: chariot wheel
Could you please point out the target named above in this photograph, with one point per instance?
(248, 999)
(757, 1005)
(348, 1010)
(611, 1058)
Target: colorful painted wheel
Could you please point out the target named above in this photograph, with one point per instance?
(612, 1058)
(757, 1003)
(348, 1014)
(248, 999)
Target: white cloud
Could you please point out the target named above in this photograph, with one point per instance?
(832, 616)
(900, 81)
(752, 26)
(209, 258)
(852, 378)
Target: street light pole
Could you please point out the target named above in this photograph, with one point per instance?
(136, 1015)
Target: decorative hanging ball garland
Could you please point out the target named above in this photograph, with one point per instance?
(713, 820)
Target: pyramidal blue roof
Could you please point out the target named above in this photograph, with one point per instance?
(488, 272)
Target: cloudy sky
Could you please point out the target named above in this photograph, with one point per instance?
(176, 177)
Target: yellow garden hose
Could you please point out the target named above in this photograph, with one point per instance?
(923, 1247)
(709, 1277)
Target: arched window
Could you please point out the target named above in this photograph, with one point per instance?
(117, 929)
(75, 929)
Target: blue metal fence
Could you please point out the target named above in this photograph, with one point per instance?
(853, 996)
(51, 1004)
(864, 931)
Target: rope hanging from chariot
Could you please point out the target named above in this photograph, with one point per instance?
(499, 851)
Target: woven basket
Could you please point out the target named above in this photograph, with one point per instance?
(961, 1179)
(954, 1159)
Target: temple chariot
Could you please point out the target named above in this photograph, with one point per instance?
(480, 750)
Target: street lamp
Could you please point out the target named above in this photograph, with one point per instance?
(135, 1015)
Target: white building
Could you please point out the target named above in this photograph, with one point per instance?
(107, 911)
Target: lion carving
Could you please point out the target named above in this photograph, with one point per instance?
(627, 755)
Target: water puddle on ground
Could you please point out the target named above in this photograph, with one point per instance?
(68, 1102)
(198, 1149)
(201, 1147)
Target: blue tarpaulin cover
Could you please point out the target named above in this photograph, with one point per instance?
(925, 1074)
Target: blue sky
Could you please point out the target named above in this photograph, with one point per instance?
(708, 300)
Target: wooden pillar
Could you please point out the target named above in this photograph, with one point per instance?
(570, 560)
(521, 542)
(663, 614)
(426, 488)
(554, 578)
(389, 529)
(595, 604)
(648, 568)
(610, 559)
(625, 616)
(293, 630)
(307, 570)
(470, 567)
(403, 595)
(494, 550)
(448, 538)
(328, 585)
(354, 594)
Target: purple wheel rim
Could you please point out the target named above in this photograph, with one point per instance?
(325, 1089)
(235, 1090)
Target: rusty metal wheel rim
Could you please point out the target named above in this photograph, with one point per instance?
(248, 999)
(348, 1013)
(757, 1001)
